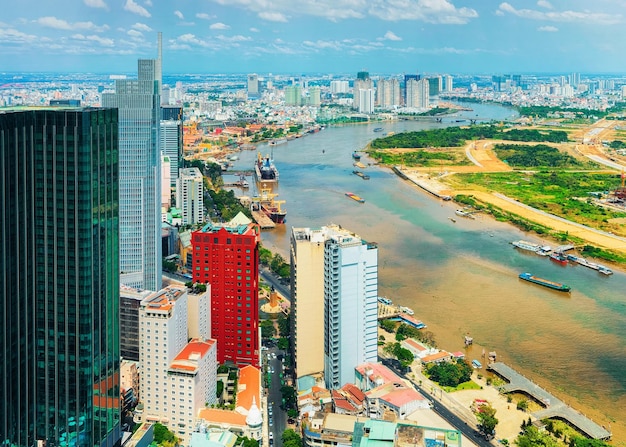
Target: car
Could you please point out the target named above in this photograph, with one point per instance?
(271, 423)
(271, 411)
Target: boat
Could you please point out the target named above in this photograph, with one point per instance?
(266, 202)
(362, 175)
(452, 219)
(384, 300)
(358, 164)
(558, 257)
(544, 282)
(265, 169)
(407, 310)
(476, 364)
(355, 197)
(592, 265)
(605, 270)
(378, 129)
(528, 246)
(278, 141)
(356, 156)
(464, 213)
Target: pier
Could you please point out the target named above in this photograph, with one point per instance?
(433, 187)
(264, 222)
(554, 408)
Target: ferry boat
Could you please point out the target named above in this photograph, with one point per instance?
(356, 156)
(558, 258)
(544, 282)
(476, 364)
(361, 174)
(528, 246)
(407, 310)
(355, 197)
(464, 213)
(384, 300)
(378, 129)
(278, 141)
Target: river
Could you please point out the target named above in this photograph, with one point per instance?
(462, 277)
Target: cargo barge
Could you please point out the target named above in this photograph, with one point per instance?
(355, 197)
(545, 282)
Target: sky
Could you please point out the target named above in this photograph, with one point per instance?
(315, 36)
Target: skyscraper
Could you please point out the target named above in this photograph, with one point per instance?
(227, 257)
(253, 86)
(189, 195)
(362, 82)
(138, 101)
(350, 305)
(388, 93)
(59, 277)
(417, 93)
(334, 302)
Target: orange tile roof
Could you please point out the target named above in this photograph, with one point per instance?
(441, 355)
(249, 387)
(354, 392)
(185, 360)
(414, 344)
(222, 416)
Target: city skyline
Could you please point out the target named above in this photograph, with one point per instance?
(216, 36)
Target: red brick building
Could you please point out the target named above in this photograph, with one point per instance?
(227, 257)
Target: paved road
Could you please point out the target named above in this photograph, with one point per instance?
(274, 397)
(275, 281)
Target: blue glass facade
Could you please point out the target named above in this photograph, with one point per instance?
(59, 277)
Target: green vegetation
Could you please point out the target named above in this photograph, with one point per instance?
(405, 331)
(564, 194)
(388, 325)
(275, 262)
(244, 441)
(404, 356)
(220, 389)
(617, 144)
(267, 329)
(547, 112)
(228, 204)
(539, 155)
(457, 136)
(450, 373)
(164, 437)
(557, 433)
(291, 439)
(425, 158)
(487, 420)
(170, 266)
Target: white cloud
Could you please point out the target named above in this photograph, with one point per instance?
(96, 4)
(219, 25)
(134, 34)
(10, 35)
(236, 38)
(104, 41)
(548, 29)
(390, 35)
(204, 16)
(53, 22)
(148, 2)
(255, 30)
(562, 16)
(141, 27)
(179, 15)
(272, 16)
(136, 8)
(431, 11)
(545, 4)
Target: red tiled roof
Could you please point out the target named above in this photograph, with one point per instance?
(249, 386)
(185, 361)
(355, 393)
(222, 416)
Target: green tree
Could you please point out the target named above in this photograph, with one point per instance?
(265, 256)
(283, 343)
(532, 437)
(284, 327)
(289, 396)
(244, 441)
(170, 266)
(162, 435)
(487, 420)
(388, 325)
(291, 439)
(267, 329)
(522, 405)
(404, 356)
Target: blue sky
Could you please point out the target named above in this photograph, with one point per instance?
(305, 36)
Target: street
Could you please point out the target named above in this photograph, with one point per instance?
(276, 417)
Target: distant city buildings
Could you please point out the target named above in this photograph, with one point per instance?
(60, 370)
(293, 95)
(190, 195)
(366, 100)
(388, 91)
(363, 82)
(418, 93)
(138, 102)
(226, 256)
(339, 87)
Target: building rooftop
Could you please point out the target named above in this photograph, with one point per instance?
(187, 359)
(216, 416)
(248, 388)
(378, 373)
(163, 300)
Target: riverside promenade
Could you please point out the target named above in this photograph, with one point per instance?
(554, 408)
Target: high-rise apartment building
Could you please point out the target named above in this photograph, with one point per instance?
(130, 302)
(138, 102)
(59, 277)
(227, 257)
(417, 93)
(366, 100)
(362, 82)
(314, 96)
(171, 145)
(388, 93)
(189, 195)
(253, 86)
(334, 293)
(293, 95)
(337, 87)
(449, 86)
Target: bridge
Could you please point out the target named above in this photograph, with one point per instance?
(554, 408)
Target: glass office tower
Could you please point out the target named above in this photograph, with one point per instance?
(59, 277)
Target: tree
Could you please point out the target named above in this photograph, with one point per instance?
(162, 435)
(532, 437)
(487, 420)
(284, 326)
(267, 329)
(283, 343)
(170, 266)
(388, 325)
(404, 356)
(291, 439)
(244, 441)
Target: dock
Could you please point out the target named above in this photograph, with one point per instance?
(264, 222)
(433, 187)
(554, 408)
